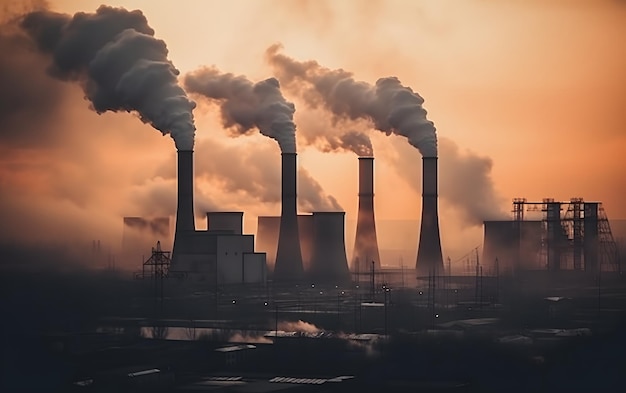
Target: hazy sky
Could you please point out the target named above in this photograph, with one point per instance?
(527, 97)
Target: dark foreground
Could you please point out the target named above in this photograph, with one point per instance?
(52, 340)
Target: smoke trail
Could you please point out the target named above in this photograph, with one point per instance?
(113, 54)
(245, 105)
(392, 107)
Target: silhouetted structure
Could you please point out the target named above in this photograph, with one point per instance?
(429, 257)
(288, 265)
(365, 242)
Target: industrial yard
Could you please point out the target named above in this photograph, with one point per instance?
(346, 246)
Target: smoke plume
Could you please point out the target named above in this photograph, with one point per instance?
(389, 105)
(246, 105)
(119, 63)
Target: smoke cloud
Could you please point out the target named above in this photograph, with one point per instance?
(119, 63)
(389, 105)
(254, 177)
(246, 105)
(299, 326)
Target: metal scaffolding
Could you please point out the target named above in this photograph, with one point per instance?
(576, 235)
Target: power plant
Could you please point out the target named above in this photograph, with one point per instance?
(429, 258)
(366, 242)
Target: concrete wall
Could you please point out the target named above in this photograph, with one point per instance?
(230, 255)
(254, 268)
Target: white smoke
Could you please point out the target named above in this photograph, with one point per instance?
(119, 64)
(245, 105)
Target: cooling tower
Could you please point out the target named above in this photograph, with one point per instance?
(429, 258)
(365, 242)
(185, 225)
(328, 260)
(288, 255)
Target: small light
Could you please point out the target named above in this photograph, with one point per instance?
(343, 293)
(265, 303)
(357, 287)
(321, 292)
(312, 285)
(234, 301)
(336, 287)
(436, 315)
(421, 292)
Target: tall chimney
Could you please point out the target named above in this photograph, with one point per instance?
(429, 258)
(365, 242)
(329, 264)
(288, 255)
(184, 211)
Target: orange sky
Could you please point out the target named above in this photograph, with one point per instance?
(536, 86)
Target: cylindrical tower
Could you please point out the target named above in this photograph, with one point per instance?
(328, 260)
(185, 223)
(429, 257)
(365, 241)
(288, 255)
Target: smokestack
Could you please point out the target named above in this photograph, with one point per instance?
(288, 255)
(184, 211)
(365, 242)
(328, 261)
(429, 257)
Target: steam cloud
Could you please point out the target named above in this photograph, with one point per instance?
(392, 107)
(119, 63)
(245, 105)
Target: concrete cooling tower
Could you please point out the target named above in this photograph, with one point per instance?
(185, 224)
(429, 257)
(328, 260)
(288, 265)
(365, 242)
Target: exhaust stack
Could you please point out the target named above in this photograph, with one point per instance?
(185, 223)
(429, 258)
(365, 242)
(288, 265)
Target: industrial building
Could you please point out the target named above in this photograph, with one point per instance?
(222, 254)
(569, 236)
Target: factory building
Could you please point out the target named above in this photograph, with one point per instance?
(574, 235)
(219, 255)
